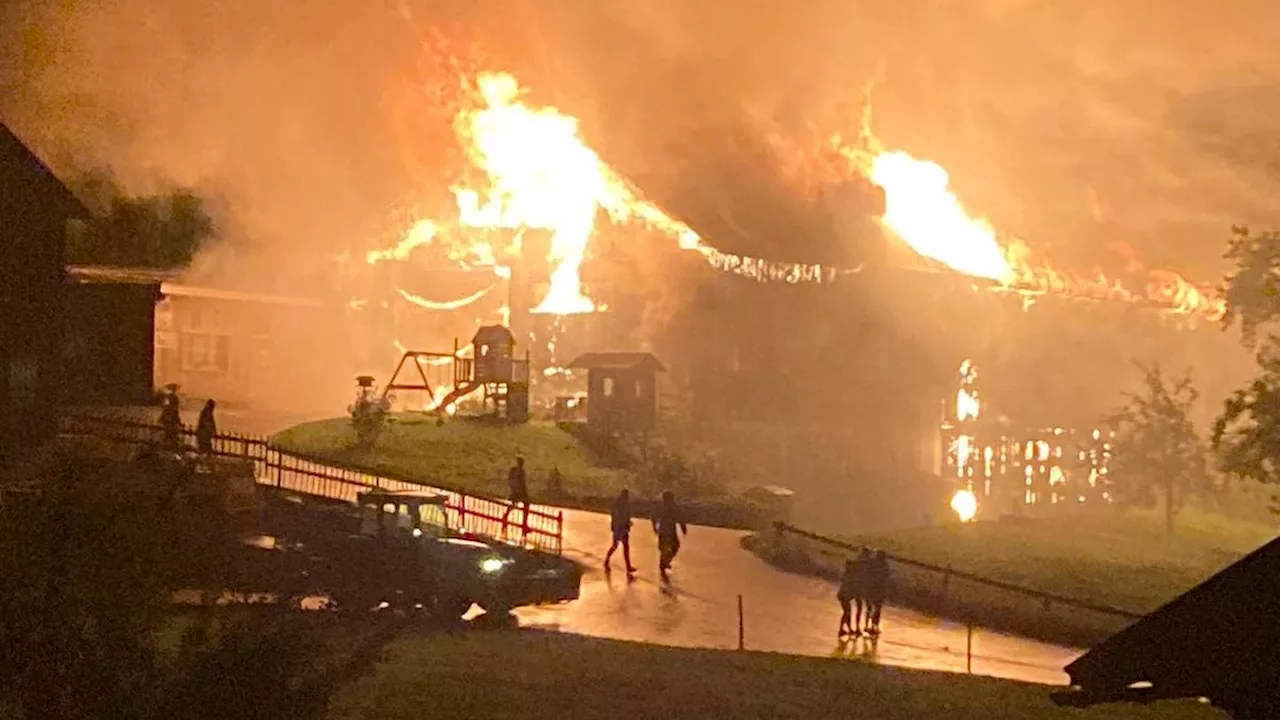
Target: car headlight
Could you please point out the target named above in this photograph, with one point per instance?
(492, 564)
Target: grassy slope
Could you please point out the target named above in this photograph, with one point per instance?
(1122, 561)
(1125, 561)
(461, 454)
(532, 675)
(474, 457)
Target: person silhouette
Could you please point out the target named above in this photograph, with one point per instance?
(620, 526)
(669, 526)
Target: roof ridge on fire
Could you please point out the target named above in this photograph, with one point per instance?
(625, 360)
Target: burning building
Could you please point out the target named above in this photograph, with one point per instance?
(832, 363)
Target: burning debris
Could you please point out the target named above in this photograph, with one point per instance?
(994, 462)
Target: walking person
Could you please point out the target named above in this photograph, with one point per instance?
(877, 591)
(862, 570)
(206, 428)
(171, 421)
(847, 592)
(669, 525)
(620, 525)
(518, 485)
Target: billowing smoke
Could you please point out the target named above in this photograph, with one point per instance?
(1076, 124)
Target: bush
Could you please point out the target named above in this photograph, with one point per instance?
(91, 552)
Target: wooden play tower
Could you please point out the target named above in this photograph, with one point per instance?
(492, 368)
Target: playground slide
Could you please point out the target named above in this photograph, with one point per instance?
(458, 392)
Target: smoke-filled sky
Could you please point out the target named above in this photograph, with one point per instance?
(1075, 123)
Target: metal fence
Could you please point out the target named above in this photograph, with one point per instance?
(966, 595)
(534, 526)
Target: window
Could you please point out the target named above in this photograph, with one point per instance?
(608, 387)
(204, 353)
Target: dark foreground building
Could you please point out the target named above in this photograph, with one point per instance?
(1220, 641)
(108, 353)
(35, 208)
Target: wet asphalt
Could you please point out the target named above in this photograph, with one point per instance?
(782, 612)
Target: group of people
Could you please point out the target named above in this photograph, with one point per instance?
(668, 524)
(171, 424)
(863, 587)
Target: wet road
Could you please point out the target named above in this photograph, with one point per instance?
(782, 612)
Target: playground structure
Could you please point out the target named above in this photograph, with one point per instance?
(492, 368)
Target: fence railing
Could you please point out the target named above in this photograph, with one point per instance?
(947, 586)
(534, 526)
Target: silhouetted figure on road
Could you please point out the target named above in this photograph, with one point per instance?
(669, 525)
(518, 484)
(620, 525)
(171, 422)
(206, 428)
(877, 590)
(847, 592)
(853, 591)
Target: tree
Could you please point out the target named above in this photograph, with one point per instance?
(1253, 286)
(1246, 435)
(1157, 448)
(160, 231)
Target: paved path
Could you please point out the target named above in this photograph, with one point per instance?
(783, 612)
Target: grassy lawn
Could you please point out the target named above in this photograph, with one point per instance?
(531, 675)
(461, 453)
(474, 457)
(1123, 561)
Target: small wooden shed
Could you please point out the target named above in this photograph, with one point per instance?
(622, 390)
(495, 349)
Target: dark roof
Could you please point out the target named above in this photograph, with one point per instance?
(619, 360)
(425, 496)
(21, 167)
(493, 335)
(1220, 640)
(102, 274)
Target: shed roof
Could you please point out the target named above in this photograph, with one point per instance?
(1219, 640)
(617, 360)
(19, 166)
(494, 335)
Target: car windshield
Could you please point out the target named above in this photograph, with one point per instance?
(433, 517)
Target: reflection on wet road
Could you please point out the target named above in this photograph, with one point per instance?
(783, 612)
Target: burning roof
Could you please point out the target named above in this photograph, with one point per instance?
(531, 169)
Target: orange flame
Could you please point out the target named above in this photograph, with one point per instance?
(922, 210)
(540, 174)
(925, 213)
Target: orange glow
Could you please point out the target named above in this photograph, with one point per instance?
(965, 505)
(420, 235)
(921, 210)
(537, 172)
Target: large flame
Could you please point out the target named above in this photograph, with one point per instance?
(541, 175)
(536, 172)
(921, 209)
(924, 212)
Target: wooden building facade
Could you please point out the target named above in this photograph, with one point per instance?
(35, 209)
